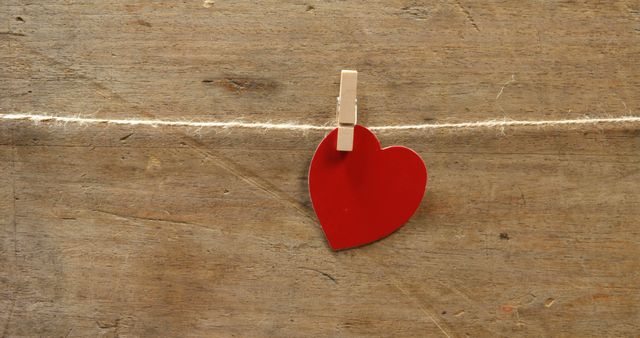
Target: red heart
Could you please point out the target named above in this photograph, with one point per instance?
(365, 194)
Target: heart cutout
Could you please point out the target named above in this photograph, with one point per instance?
(365, 194)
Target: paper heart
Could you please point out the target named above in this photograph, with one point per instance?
(365, 194)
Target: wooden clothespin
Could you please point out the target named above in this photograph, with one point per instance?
(347, 109)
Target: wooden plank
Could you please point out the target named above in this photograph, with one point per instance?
(142, 231)
(277, 60)
(167, 237)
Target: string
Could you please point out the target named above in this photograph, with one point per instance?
(37, 118)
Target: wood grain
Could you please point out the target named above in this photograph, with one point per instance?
(141, 231)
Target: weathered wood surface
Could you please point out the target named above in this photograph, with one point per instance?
(140, 231)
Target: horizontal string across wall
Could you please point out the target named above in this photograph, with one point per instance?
(498, 123)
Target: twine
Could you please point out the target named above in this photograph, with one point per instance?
(37, 118)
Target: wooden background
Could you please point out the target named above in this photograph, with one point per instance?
(141, 231)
